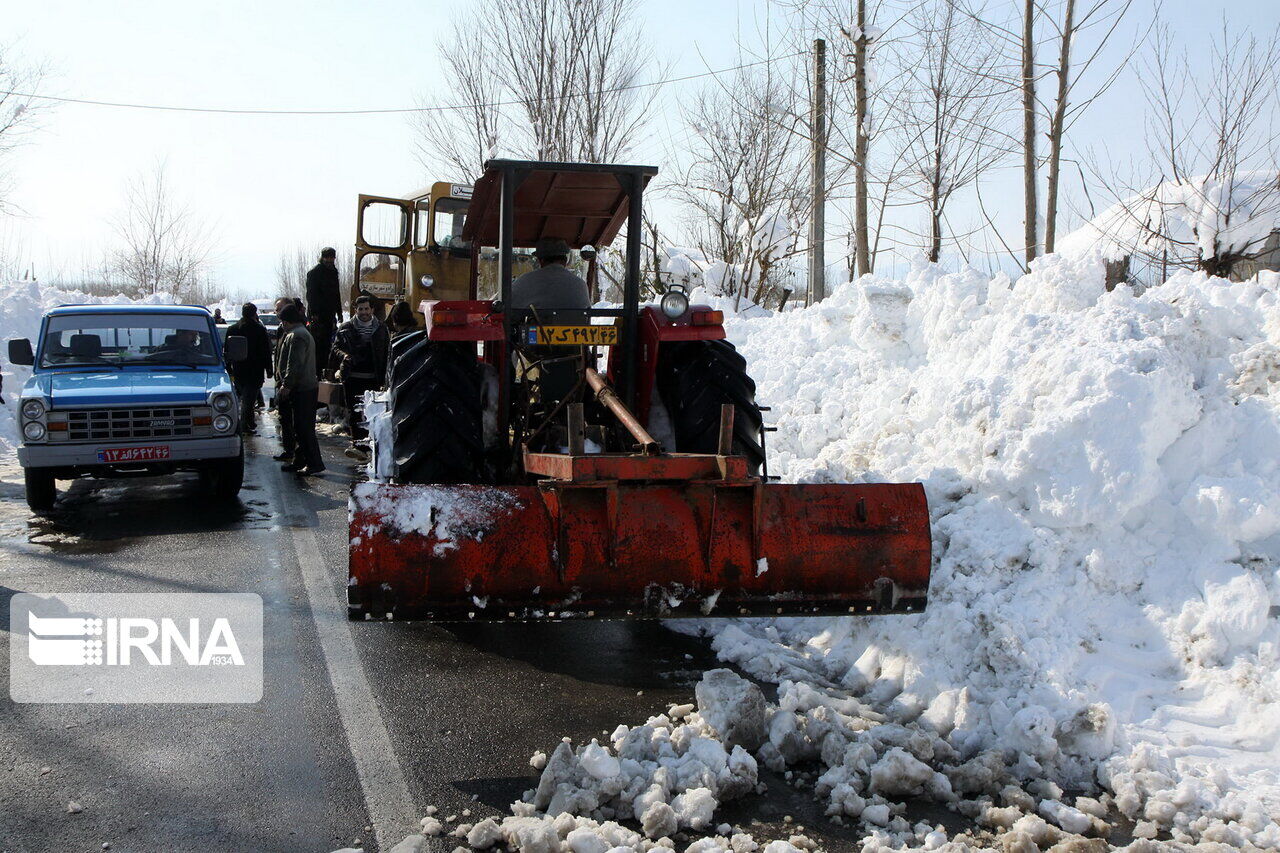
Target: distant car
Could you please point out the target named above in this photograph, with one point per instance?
(272, 322)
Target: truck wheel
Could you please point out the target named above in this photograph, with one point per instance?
(42, 489)
(223, 478)
(694, 379)
(436, 413)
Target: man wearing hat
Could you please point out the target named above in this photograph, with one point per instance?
(553, 285)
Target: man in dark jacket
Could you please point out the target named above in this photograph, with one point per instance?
(324, 301)
(295, 372)
(360, 357)
(248, 375)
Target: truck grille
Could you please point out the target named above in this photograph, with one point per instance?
(115, 424)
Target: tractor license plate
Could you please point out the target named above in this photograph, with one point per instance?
(149, 453)
(593, 336)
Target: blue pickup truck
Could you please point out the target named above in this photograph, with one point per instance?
(128, 390)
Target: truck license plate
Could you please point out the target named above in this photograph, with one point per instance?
(149, 453)
(605, 336)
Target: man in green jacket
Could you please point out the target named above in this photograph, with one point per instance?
(296, 386)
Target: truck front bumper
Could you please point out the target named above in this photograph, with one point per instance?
(182, 453)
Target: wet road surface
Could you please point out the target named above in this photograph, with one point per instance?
(361, 725)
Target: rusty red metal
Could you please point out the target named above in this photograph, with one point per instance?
(617, 549)
(625, 466)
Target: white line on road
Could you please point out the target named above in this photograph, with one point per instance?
(386, 794)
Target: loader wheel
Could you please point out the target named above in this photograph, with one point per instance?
(694, 379)
(436, 425)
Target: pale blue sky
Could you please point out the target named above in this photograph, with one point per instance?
(271, 182)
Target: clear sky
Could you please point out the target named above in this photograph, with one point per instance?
(269, 183)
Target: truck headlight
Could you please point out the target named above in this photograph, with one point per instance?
(222, 423)
(674, 304)
(221, 402)
(33, 431)
(33, 410)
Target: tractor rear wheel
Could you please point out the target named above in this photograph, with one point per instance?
(436, 424)
(695, 378)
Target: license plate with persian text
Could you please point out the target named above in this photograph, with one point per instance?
(604, 336)
(146, 453)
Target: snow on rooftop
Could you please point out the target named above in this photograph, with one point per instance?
(1202, 217)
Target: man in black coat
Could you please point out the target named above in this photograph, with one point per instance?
(248, 375)
(324, 301)
(360, 358)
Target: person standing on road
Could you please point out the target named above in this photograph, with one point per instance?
(324, 301)
(297, 387)
(360, 353)
(284, 409)
(249, 374)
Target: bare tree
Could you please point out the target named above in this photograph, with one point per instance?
(18, 112)
(949, 118)
(745, 168)
(547, 79)
(1211, 198)
(1030, 162)
(295, 262)
(167, 247)
(1100, 20)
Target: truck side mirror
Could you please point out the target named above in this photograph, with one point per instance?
(237, 348)
(20, 352)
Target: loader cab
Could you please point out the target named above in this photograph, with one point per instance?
(412, 249)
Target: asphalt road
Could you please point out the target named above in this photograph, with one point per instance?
(462, 709)
(361, 725)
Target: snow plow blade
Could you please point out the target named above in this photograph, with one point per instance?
(643, 550)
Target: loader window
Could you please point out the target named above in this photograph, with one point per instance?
(451, 214)
(384, 225)
(382, 275)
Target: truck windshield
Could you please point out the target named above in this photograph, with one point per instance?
(120, 339)
(451, 215)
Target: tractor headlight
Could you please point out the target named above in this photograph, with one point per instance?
(33, 431)
(222, 423)
(33, 410)
(221, 402)
(675, 304)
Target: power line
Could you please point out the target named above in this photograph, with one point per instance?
(390, 110)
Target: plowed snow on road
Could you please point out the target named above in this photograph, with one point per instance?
(1102, 641)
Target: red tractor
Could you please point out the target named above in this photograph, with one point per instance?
(604, 462)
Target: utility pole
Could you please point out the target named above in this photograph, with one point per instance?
(817, 216)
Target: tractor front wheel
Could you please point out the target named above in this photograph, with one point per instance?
(694, 379)
(436, 414)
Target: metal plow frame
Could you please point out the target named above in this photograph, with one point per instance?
(612, 548)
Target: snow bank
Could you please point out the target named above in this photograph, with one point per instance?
(1202, 217)
(1103, 473)
(22, 304)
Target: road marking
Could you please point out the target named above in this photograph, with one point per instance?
(386, 794)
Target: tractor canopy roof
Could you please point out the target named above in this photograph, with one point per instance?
(584, 204)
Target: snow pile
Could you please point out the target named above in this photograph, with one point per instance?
(22, 304)
(445, 515)
(1103, 472)
(1101, 642)
(1202, 217)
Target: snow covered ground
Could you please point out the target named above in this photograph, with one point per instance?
(1103, 632)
